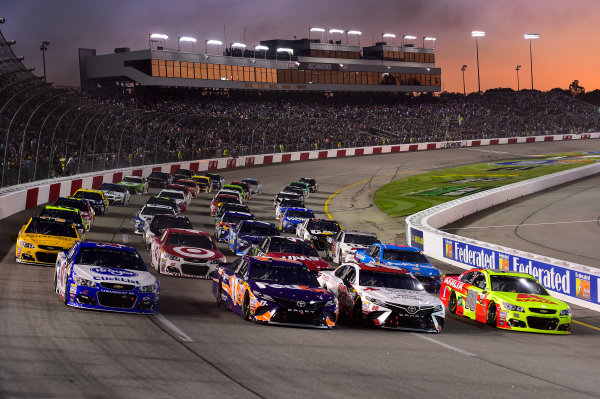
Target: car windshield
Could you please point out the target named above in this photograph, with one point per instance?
(190, 240)
(111, 187)
(298, 184)
(51, 228)
(202, 182)
(271, 273)
(81, 205)
(520, 285)
(172, 194)
(161, 201)
(132, 179)
(299, 213)
(404, 256)
(323, 225)
(110, 257)
(62, 214)
(361, 239)
(293, 247)
(234, 207)
(186, 183)
(159, 175)
(258, 229)
(293, 189)
(307, 180)
(157, 210)
(89, 195)
(252, 182)
(291, 204)
(160, 224)
(235, 218)
(230, 199)
(404, 281)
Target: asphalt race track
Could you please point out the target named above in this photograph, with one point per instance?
(194, 349)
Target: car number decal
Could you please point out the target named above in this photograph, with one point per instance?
(471, 299)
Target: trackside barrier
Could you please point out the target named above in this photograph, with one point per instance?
(571, 282)
(15, 199)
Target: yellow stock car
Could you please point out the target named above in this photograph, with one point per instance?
(42, 238)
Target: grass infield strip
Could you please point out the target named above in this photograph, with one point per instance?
(413, 194)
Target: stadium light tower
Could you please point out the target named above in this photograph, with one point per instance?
(312, 29)
(185, 39)
(353, 32)
(517, 69)
(44, 47)
(155, 38)
(463, 69)
(476, 34)
(407, 37)
(530, 37)
(284, 50)
(261, 48)
(237, 45)
(212, 41)
(431, 39)
(384, 35)
(333, 31)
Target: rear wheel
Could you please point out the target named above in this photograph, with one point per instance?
(66, 292)
(357, 312)
(219, 297)
(452, 303)
(492, 315)
(246, 307)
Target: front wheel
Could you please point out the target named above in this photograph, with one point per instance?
(246, 307)
(357, 312)
(492, 315)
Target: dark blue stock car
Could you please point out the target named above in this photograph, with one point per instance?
(248, 232)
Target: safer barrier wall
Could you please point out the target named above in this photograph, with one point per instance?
(574, 283)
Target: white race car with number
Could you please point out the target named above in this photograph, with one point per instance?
(342, 247)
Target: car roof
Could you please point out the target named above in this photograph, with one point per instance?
(237, 213)
(380, 268)
(275, 261)
(400, 247)
(98, 244)
(188, 231)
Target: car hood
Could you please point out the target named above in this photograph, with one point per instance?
(312, 262)
(53, 241)
(127, 184)
(400, 296)
(292, 292)
(100, 274)
(294, 219)
(193, 252)
(253, 238)
(530, 300)
(419, 269)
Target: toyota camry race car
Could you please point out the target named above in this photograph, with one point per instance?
(342, 247)
(292, 217)
(41, 239)
(317, 231)
(407, 257)
(182, 200)
(291, 248)
(274, 291)
(384, 296)
(105, 276)
(69, 214)
(135, 184)
(248, 232)
(147, 212)
(159, 223)
(116, 194)
(185, 253)
(285, 204)
(95, 198)
(507, 300)
(85, 209)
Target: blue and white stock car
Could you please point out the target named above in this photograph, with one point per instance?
(104, 276)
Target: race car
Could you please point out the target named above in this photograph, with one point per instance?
(204, 183)
(158, 179)
(248, 232)
(274, 291)
(227, 221)
(158, 200)
(116, 194)
(220, 199)
(105, 276)
(317, 231)
(304, 186)
(281, 196)
(231, 207)
(135, 184)
(342, 246)
(185, 190)
(217, 180)
(95, 198)
(68, 214)
(287, 203)
(410, 258)
(147, 212)
(312, 183)
(294, 190)
(185, 253)
(384, 297)
(159, 223)
(191, 184)
(245, 187)
(507, 300)
(292, 217)
(255, 185)
(182, 200)
(228, 191)
(244, 195)
(291, 248)
(183, 174)
(41, 239)
(85, 209)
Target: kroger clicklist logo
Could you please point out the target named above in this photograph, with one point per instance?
(113, 272)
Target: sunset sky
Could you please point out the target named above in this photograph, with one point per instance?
(568, 47)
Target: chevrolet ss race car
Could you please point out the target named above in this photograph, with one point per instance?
(159, 223)
(158, 179)
(182, 200)
(507, 300)
(95, 198)
(116, 194)
(85, 209)
(304, 186)
(41, 239)
(342, 247)
(248, 232)
(135, 184)
(407, 257)
(287, 203)
(191, 184)
(255, 185)
(157, 200)
(227, 221)
(292, 217)
(274, 291)
(183, 174)
(217, 180)
(291, 248)
(231, 207)
(317, 231)
(185, 253)
(69, 214)
(105, 276)
(281, 196)
(220, 199)
(312, 183)
(147, 212)
(384, 296)
(204, 183)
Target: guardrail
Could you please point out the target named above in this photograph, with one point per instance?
(574, 283)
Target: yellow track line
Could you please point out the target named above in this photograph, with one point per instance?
(586, 325)
(344, 188)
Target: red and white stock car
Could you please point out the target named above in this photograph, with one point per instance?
(185, 253)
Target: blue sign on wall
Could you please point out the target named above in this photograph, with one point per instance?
(416, 238)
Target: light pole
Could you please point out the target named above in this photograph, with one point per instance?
(353, 32)
(476, 34)
(44, 47)
(407, 37)
(155, 37)
(384, 35)
(212, 41)
(284, 50)
(238, 45)
(530, 37)
(427, 38)
(334, 31)
(311, 29)
(517, 69)
(185, 39)
(463, 69)
(261, 48)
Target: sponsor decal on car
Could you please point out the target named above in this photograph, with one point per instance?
(194, 252)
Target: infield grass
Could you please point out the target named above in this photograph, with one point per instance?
(413, 194)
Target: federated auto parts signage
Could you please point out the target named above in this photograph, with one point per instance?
(554, 278)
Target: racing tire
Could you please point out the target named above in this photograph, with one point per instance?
(491, 317)
(55, 282)
(339, 257)
(452, 303)
(219, 296)
(246, 307)
(66, 296)
(357, 312)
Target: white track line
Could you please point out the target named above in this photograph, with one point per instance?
(453, 348)
(125, 238)
(523, 224)
(180, 334)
